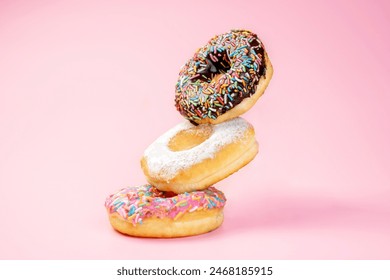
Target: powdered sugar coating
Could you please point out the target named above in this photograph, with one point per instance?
(163, 163)
(141, 202)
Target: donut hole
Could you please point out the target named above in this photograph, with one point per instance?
(189, 138)
(220, 60)
(214, 65)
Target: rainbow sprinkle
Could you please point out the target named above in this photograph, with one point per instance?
(238, 57)
(136, 204)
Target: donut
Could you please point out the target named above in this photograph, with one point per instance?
(145, 211)
(224, 78)
(188, 157)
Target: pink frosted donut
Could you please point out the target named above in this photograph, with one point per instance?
(147, 212)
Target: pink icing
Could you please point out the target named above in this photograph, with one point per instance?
(138, 203)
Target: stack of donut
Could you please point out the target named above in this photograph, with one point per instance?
(220, 82)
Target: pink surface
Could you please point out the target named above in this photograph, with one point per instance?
(85, 88)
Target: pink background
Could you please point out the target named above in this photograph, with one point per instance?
(86, 86)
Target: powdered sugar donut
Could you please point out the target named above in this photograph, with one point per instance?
(189, 157)
(147, 212)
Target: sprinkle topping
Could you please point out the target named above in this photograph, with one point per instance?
(138, 203)
(220, 75)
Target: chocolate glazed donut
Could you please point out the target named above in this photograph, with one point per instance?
(224, 78)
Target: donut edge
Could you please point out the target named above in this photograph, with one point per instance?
(189, 224)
